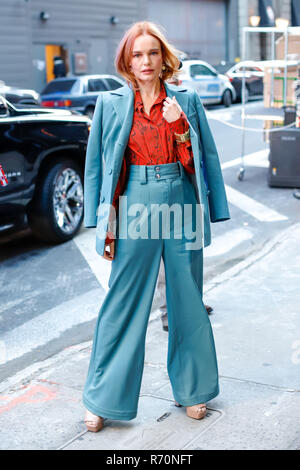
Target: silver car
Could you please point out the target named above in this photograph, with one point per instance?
(212, 87)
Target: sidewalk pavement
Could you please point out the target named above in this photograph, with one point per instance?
(256, 327)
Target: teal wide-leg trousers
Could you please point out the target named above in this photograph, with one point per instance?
(117, 360)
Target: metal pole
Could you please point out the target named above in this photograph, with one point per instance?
(285, 65)
(244, 51)
(273, 57)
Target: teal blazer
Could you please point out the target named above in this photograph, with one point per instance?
(107, 142)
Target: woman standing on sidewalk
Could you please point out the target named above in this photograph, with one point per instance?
(145, 143)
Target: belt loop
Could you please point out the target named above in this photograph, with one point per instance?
(181, 169)
(143, 174)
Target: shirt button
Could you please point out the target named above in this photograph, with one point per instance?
(157, 168)
(110, 171)
(103, 199)
(157, 175)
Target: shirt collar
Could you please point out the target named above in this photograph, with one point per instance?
(138, 102)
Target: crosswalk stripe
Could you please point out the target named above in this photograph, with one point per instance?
(51, 324)
(252, 207)
(259, 159)
(86, 243)
(227, 241)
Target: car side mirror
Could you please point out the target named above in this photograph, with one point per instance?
(3, 107)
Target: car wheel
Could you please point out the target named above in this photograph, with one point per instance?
(227, 98)
(90, 111)
(55, 214)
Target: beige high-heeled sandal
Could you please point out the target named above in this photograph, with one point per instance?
(195, 411)
(93, 422)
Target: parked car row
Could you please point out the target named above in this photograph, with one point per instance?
(215, 85)
(223, 83)
(80, 93)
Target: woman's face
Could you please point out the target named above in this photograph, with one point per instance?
(146, 60)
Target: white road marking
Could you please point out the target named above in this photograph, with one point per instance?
(252, 207)
(50, 325)
(259, 159)
(86, 243)
(227, 241)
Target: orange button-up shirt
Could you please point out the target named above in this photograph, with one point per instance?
(152, 141)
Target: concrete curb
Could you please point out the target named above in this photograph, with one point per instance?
(38, 368)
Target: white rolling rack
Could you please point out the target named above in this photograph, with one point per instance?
(262, 113)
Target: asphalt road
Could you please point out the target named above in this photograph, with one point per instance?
(51, 295)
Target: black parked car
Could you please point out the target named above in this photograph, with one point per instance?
(79, 93)
(42, 153)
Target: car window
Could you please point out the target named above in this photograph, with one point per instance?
(198, 69)
(96, 84)
(60, 86)
(247, 69)
(113, 84)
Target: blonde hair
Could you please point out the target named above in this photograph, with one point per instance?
(125, 47)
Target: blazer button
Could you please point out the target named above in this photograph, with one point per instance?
(102, 198)
(110, 171)
(201, 163)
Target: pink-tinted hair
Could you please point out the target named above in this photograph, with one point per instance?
(125, 47)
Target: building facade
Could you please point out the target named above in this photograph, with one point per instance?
(206, 29)
(86, 34)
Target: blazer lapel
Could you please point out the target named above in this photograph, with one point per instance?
(183, 100)
(123, 101)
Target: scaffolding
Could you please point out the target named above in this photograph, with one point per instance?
(272, 113)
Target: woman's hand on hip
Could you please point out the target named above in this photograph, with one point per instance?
(171, 109)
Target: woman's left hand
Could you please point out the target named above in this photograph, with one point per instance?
(171, 109)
